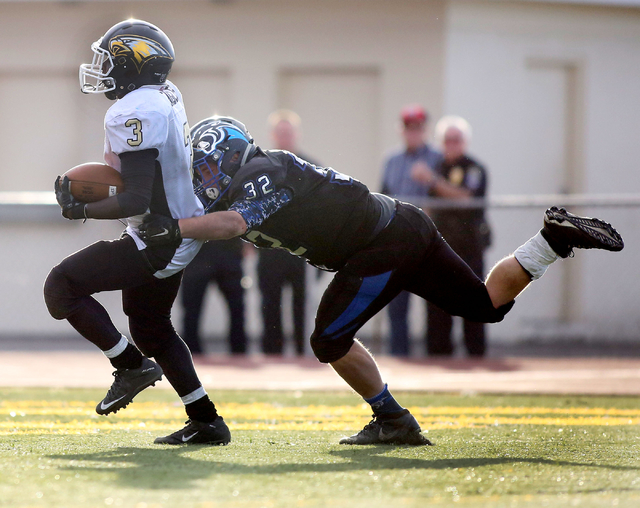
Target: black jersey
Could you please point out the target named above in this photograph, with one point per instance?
(464, 228)
(329, 217)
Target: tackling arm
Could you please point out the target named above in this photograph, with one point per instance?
(160, 230)
(241, 216)
(213, 226)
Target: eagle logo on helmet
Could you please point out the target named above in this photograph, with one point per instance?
(139, 49)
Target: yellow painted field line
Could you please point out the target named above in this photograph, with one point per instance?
(32, 417)
(163, 410)
(92, 426)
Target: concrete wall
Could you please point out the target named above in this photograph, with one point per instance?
(346, 67)
(553, 94)
(551, 91)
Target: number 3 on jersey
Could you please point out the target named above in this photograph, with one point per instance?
(137, 131)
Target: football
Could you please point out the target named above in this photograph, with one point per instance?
(94, 181)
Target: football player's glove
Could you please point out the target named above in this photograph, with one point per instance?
(157, 229)
(71, 208)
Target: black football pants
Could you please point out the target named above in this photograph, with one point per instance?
(146, 300)
(410, 254)
(440, 323)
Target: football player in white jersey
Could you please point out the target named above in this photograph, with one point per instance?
(147, 141)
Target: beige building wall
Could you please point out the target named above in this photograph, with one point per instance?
(553, 94)
(346, 66)
(551, 90)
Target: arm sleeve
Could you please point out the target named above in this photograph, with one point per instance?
(138, 172)
(255, 212)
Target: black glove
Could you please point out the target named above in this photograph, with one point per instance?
(71, 207)
(157, 229)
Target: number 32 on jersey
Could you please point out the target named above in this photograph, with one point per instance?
(258, 188)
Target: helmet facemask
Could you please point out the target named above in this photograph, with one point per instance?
(209, 182)
(221, 146)
(94, 77)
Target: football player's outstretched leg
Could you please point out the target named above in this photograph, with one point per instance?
(561, 233)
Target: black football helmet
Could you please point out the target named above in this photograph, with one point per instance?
(221, 146)
(131, 54)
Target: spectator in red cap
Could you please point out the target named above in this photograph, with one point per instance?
(413, 113)
(401, 180)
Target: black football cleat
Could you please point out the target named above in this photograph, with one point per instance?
(399, 429)
(127, 384)
(213, 433)
(565, 231)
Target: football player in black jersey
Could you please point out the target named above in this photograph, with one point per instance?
(377, 245)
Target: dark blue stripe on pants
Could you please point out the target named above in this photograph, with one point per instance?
(369, 290)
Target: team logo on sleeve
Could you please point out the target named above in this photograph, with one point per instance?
(139, 49)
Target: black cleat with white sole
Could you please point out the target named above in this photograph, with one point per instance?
(212, 433)
(398, 428)
(127, 384)
(565, 231)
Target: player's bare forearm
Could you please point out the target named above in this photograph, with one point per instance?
(213, 226)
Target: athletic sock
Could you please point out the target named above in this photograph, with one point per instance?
(384, 403)
(535, 256)
(199, 406)
(124, 355)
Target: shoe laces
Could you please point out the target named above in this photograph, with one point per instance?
(371, 425)
(117, 382)
(178, 432)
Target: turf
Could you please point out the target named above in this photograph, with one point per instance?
(498, 451)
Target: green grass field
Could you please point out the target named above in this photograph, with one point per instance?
(502, 451)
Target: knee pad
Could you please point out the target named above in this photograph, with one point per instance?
(328, 350)
(58, 295)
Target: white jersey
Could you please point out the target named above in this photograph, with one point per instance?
(153, 116)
